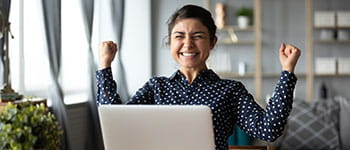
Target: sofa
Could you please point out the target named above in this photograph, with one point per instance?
(323, 124)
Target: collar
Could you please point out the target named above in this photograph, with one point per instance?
(207, 74)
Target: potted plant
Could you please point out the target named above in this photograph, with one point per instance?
(28, 126)
(244, 16)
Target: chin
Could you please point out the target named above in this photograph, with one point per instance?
(190, 66)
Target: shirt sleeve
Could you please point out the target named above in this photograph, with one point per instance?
(144, 95)
(107, 90)
(266, 124)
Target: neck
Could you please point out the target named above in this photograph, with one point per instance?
(192, 73)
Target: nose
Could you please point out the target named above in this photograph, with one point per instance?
(188, 43)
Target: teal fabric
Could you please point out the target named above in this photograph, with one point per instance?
(239, 137)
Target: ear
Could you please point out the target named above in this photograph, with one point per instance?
(214, 42)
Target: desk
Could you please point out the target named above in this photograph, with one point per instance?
(251, 147)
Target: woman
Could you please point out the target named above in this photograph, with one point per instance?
(191, 32)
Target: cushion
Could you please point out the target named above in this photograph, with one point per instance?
(313, 126)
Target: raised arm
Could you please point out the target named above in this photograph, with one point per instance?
(107, 52)
(266, 124)
(107, 87)
(289, 56)
(269, 124)
(107, 90)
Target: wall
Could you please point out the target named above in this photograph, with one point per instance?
(137, 43)
(78, 121)
(282, 21)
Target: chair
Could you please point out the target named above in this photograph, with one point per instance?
(251, 147)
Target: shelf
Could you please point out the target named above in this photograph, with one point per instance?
(332, 41)
(276, 75)
(332, 75)
(231, 42)
(344, 28)
(233, 39)
(252, 37)
(313, 42)
(234, 75)
(331, 28)
(271, 75)
(236, 28)
(251, 75)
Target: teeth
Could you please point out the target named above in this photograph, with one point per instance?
(188, 54)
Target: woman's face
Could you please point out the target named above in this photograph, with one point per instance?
(190, 43)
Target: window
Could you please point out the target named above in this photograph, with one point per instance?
(28, 57)
(30, 74)
(74, 71)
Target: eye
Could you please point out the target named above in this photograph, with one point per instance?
(179, 36)
(198, 37)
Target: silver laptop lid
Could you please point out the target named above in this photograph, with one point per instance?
(157, 127)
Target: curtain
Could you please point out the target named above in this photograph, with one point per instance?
(118, 22)
(95, 141)
(52, 25)
(109, 19)
(5, 10)
(110, 22)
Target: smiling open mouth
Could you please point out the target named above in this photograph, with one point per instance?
(188, 54)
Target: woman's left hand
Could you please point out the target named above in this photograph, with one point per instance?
(289, 56)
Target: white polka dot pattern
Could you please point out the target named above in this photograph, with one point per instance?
(229, 101)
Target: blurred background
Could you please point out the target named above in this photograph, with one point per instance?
(54, 54)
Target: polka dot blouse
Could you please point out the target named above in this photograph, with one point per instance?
(229, 101)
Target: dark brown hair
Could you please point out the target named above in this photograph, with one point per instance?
(196, 12)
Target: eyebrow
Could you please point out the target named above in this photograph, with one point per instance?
(199, 32)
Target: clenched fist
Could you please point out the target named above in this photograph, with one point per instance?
(107, 51)
(289, 56)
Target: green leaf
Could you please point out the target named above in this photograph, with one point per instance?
(243, 11)
(25, 126)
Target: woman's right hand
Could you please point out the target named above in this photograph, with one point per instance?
(107, 52)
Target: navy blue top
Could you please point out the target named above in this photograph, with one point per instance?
(229, 101)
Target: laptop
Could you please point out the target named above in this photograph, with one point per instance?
(156, 127)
